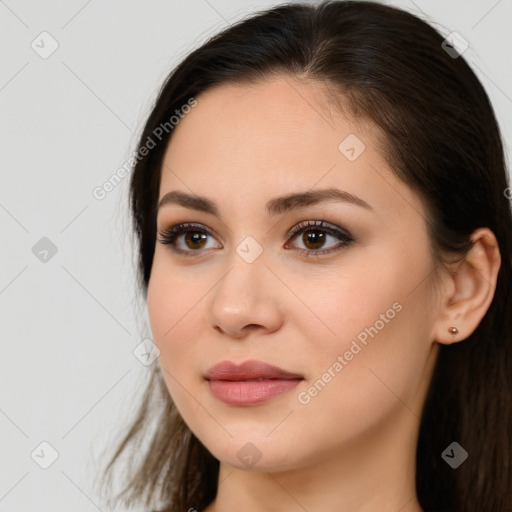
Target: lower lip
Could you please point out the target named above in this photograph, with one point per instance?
(246, 392)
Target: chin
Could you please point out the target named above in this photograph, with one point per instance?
(254, 453)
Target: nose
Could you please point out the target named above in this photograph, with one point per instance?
(246, 299)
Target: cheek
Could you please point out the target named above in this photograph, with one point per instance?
(174, 310)
(375, 361)
(175, 325)
(347, 303)
(361, 386)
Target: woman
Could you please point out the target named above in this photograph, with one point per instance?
(321, 206)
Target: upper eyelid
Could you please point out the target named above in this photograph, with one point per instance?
(297, 228)
(319, 224)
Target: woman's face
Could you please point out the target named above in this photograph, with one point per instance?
(347, 307)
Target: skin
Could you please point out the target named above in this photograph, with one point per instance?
(352, 446)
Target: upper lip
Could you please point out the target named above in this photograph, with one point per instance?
(227, 370)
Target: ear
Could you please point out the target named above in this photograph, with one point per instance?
(469, 289)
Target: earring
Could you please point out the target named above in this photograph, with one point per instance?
(453, 330)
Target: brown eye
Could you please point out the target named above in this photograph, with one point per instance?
(315, 235)
(195, 238)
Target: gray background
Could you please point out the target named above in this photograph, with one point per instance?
(70, 323)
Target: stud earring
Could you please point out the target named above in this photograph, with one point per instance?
(453, 330)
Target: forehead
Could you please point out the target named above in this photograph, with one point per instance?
(280, 101)
(275, 137)
(265, 126)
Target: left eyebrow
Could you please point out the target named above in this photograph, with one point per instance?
(284, 204)
(276, 206)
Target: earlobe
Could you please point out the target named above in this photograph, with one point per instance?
(471, 289)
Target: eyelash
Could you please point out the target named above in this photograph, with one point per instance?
(169, 235)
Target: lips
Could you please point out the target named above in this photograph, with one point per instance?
(250, 370)
(250, 383)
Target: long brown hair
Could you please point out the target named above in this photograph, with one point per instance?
(442, 139)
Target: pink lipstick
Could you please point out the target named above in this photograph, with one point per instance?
(249, 383)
